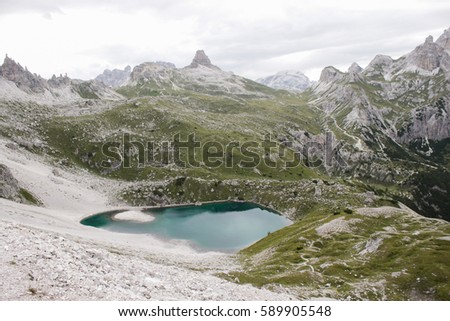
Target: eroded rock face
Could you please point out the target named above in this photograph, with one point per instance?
(427, 56)
(430, 122)
(24, 79)
(9, 186)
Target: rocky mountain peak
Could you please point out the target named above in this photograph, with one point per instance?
(354, 72)
(201, 58)
(330, 74)
(381, 60)
(355, 68)
(427, 56)
(444, 40)
(379, 66)
(24, 79)
(10, 69)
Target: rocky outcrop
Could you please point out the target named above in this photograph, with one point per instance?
(9, 186)
(355, 68)
(24, 79)
(429, 122)
(288, 80)
(114, 78)
(59, 82)
(444, 40)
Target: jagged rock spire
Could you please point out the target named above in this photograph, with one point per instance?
(201, 58)
(23, 78)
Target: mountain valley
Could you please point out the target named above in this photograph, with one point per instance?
(359, 161)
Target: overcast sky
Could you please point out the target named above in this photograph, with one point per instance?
(250, 38)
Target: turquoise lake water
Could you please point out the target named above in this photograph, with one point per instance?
(227, 226)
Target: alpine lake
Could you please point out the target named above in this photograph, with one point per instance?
(219, 226)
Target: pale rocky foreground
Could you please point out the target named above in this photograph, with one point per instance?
(42, 265)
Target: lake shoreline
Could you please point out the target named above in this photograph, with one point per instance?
(176, 205)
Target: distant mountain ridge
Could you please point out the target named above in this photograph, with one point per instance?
(415, 84)
(288, 80)
(200, 75)
(114, 78)
(17, 83)
(396, 110)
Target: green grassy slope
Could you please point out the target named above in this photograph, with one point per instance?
(387, 255)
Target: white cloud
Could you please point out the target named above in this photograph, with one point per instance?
(252, 38)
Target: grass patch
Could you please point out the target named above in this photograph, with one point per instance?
(409, 262)
(30, 198)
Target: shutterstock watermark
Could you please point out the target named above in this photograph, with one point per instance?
(189, 152)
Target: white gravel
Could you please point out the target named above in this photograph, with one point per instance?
(39, 265)
(338, 225)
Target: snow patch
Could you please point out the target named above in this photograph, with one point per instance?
(137, 216)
